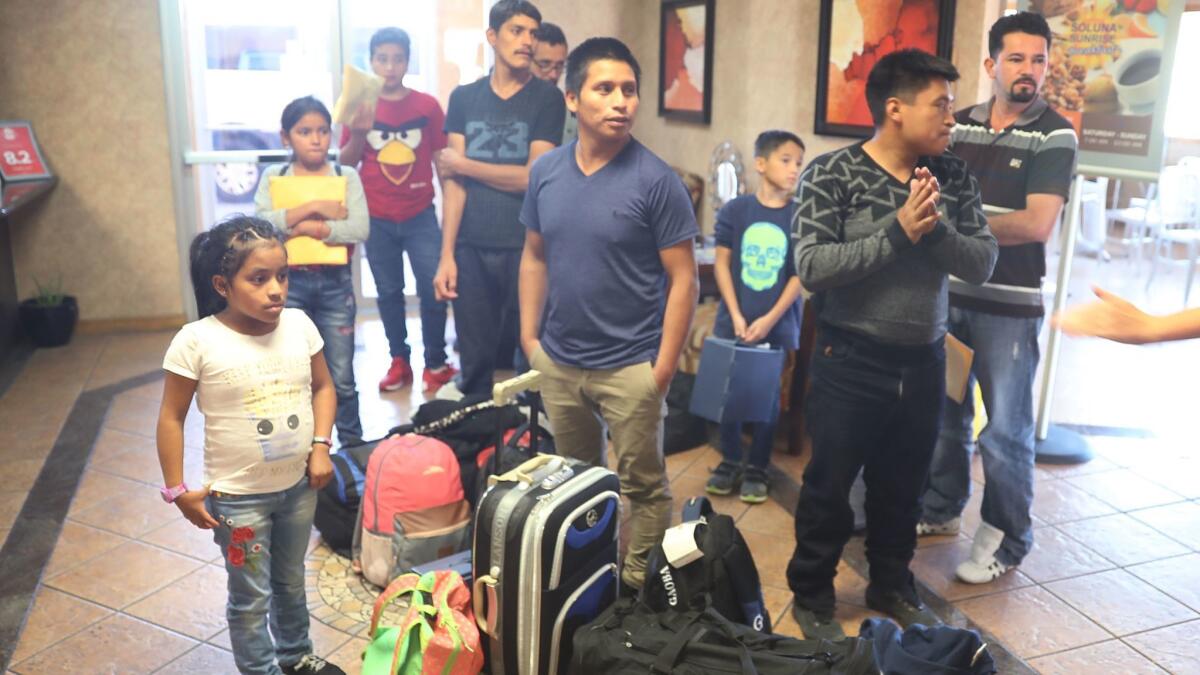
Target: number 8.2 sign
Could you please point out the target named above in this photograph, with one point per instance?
(20, 158)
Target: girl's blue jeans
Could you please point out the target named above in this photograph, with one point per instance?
(326, 294)
(264, 538)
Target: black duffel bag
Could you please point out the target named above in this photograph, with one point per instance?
(630, 638)
(337, 503)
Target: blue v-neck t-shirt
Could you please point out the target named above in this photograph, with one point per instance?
(606, 286)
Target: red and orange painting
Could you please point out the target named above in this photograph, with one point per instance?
(685, 80)
(855, 34)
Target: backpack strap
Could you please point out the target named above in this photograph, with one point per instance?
(337, 169)
(451, 419)
(405, 583)
(698, 626)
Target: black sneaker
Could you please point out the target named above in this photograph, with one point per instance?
(754, 485)
(817, 626)
(312, 664)
(723, 478)
(902, 605)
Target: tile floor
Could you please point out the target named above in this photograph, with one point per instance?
(1112, 586)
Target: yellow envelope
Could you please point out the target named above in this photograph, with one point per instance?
(358, 87)
(292, 191)
(958, 368)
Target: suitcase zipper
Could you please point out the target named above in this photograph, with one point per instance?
(594, 503)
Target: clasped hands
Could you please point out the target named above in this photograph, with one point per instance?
(319, 212)
(919, 215)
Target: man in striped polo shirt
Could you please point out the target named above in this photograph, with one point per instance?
(1023, 155)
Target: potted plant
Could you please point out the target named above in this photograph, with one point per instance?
(49, 317)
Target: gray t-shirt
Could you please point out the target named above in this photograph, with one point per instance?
(500, 131)
(602, 235)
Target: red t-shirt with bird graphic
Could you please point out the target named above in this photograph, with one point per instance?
(397, 161)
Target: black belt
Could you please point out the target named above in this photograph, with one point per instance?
(317, 269)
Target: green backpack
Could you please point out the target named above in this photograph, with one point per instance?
(437, 634)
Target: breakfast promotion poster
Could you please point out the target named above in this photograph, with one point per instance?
(1110, 66)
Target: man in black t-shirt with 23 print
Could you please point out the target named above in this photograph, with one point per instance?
(496, 128)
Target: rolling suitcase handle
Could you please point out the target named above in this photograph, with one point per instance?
(505, 393)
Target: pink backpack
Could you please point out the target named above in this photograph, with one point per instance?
(413, 509)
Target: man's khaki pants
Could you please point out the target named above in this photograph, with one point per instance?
(580, 402)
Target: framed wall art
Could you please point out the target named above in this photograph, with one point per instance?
(686, 60)
(855, 34)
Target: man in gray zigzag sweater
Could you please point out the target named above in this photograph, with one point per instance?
(879, 226)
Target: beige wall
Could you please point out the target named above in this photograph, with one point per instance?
(764, 73)
(98, 108)
(89, 76)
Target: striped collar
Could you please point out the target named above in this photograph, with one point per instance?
(982, 113)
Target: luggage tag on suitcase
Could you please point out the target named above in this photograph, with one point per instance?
(679, 544)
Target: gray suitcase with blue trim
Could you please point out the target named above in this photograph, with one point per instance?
(545, 561)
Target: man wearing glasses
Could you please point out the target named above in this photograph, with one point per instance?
(549, 64)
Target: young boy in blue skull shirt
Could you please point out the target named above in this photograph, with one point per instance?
(759, 294)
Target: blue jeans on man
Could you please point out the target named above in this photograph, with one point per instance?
(264, 538)
(1006, 360)
(326, 294)
(421, 237)
(874, 408)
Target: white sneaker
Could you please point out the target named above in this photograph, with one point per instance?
(981, 572)
(982, 566)
(926, 528)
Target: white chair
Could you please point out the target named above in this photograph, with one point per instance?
(1139, 219)
(1092, 219)
(1178, 222)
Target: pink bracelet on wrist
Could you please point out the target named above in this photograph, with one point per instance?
(170, 494)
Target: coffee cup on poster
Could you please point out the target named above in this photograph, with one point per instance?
(1136, 77)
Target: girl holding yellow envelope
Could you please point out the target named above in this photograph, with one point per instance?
(322, 207)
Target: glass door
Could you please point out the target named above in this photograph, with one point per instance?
(245, 62)
(232, 65)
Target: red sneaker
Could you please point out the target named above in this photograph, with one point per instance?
(437, 378)
(399, 376)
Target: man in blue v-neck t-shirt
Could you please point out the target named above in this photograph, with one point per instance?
(608, 287)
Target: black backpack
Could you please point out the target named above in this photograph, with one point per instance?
(520, 445)
(337, 502)
(724, 578)
(631, 638)
(681, 429)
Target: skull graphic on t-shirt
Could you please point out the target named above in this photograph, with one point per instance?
(764, 246)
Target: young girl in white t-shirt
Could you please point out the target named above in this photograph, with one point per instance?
(260, 380)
